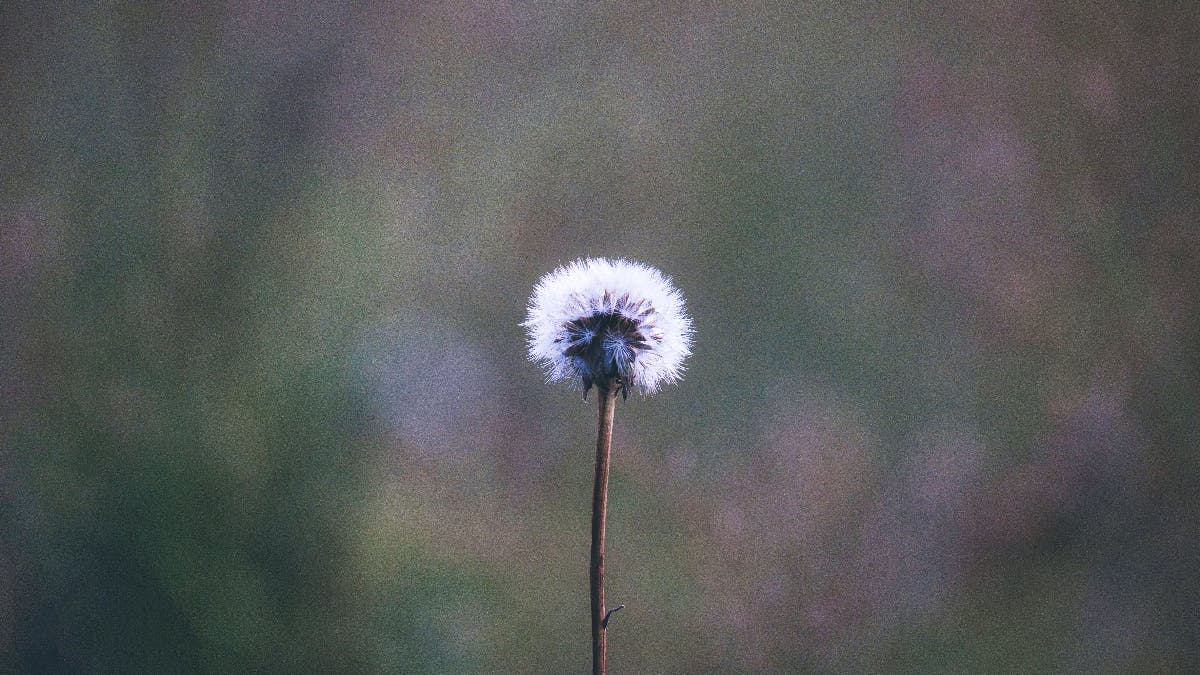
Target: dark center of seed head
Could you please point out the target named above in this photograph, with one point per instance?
(593, 340)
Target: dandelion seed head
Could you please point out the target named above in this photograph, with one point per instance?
(607, 322)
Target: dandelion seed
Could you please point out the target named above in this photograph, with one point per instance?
(600, 321)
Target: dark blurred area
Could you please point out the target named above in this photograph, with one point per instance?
(265, 405)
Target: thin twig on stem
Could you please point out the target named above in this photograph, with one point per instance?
(608, 614)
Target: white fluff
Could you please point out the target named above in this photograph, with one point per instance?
(631, 309)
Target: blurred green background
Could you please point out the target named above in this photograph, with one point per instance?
(265, 403)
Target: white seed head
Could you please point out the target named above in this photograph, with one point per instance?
(609, 323)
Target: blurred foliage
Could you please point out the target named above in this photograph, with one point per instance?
(266, 406)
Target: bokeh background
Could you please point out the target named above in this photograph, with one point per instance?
(265, 403)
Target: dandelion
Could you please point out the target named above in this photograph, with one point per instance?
(601, 322)
(616, 325)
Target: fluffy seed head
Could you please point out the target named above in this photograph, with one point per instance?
(609, 323)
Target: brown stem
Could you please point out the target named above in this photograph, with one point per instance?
(608, 404)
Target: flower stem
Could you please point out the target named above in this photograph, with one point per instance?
(607, 397)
